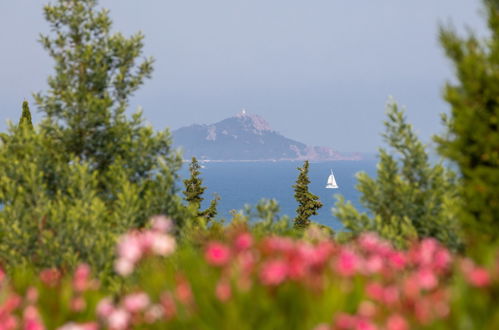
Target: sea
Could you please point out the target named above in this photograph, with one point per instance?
(245, 183)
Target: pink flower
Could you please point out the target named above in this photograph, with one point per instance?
(81, 277)
(367, 309)
(223, 291)
(162, 224)
(77, 304)
(375, 291)
(33, 324)
(2, 274)
(363, 324)
(347, 263)
(163, 245)
(425, 251)
(278, 244)
(369, 242)
(426, 279)
(217, 254)
(136, 302)
(118, 319)
(169, 306)
(391, 295)
(153, 313)
(123, 266)
(374, 264)
(396, 322)
(32, 295)
(50, 277)
(130, 247)
(478, 277)
(243, 241)
(442, 260)
(79, 326)
(105, 308)
(183, 291)
(344, 321)
(31, 319)
(398, 260)
(273, 272)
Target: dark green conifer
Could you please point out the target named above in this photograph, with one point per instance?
(194, 191)
(25, 119)
(308, 203)
(472, 139)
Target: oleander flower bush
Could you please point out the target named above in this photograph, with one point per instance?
(244, 281)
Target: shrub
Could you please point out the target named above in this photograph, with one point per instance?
(274, 282)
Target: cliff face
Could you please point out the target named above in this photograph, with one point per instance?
(245, 137)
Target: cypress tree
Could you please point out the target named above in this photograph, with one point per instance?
(194, 191)
(25, 119)
(308, 203)
(472, 138)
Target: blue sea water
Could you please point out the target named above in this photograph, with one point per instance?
(240, 183)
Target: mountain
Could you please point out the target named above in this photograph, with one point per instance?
(246, 137)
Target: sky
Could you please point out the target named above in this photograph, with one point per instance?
(319, 71)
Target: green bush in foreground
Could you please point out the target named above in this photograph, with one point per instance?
(242, 281)
(88, 172)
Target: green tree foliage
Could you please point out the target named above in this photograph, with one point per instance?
(308, 203)
(25, 119)
(472, 139)
(96, 72)
(409, 198)
(194, 191)
(88, 172)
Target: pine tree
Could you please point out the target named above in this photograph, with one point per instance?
(308, 203)
(25, 119)
(410, 198)
(96, 73)
(472, 138)
(194, 191)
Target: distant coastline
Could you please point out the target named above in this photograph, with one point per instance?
(249, 138)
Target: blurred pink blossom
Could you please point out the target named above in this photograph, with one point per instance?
(217, 254)
(163, 245)
(161, 223)
(427, 279)
(223, 290)
(118, 319)
(347, 263)
(105, 307)
(80, 326)
(123, 266)
(273, 272)
(77, 304)
(129, 247)
(243, 241)
(81, 278)
(136, 302)
(478, 277)
(396, 322)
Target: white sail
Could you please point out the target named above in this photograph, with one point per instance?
(331, 182)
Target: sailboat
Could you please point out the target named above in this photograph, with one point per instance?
(331, 182)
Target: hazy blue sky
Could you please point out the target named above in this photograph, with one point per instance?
(320, 71)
